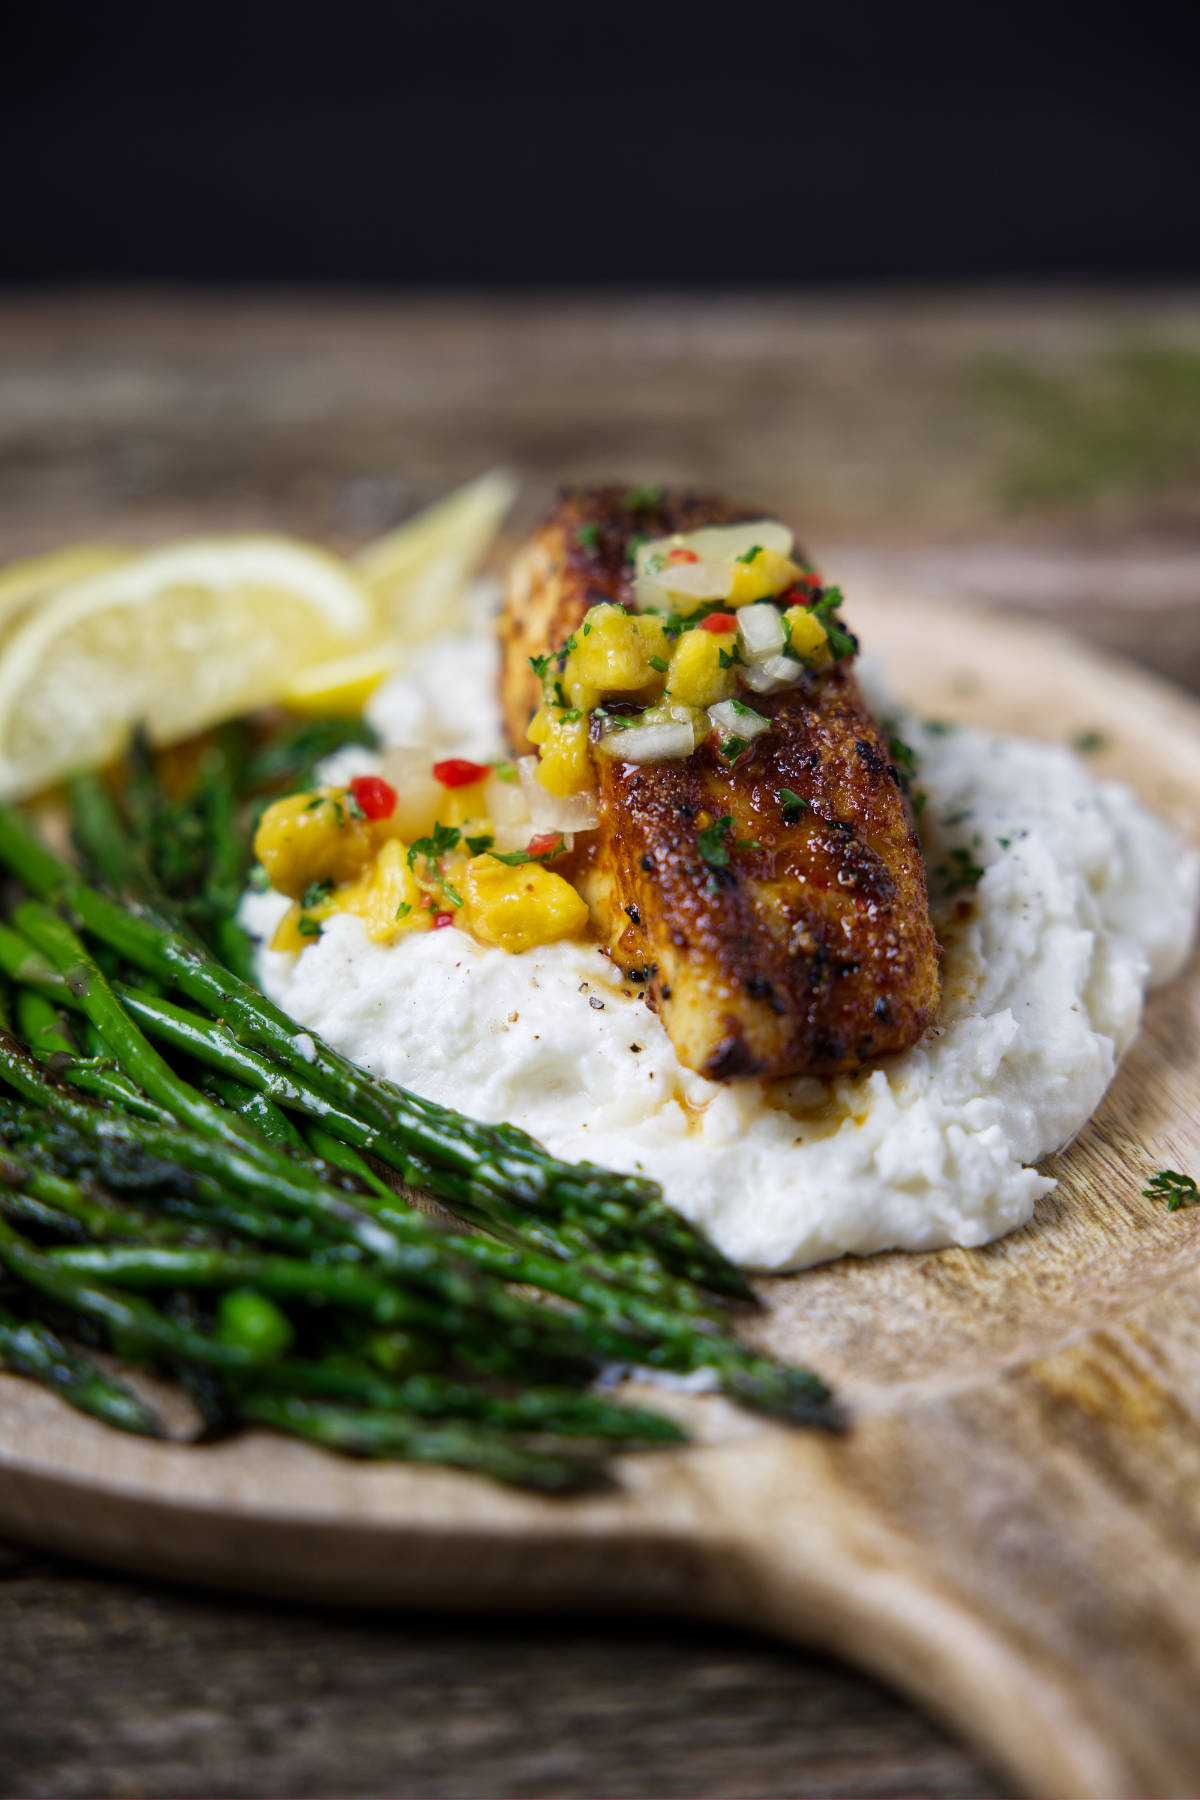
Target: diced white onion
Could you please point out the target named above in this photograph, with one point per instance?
(761, 630)
(651, 743)
(775, 672)
(732, 719)
(715, 543)
(505, 802)
(556, 812)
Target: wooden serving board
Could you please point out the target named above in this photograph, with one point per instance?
(1011, 1529)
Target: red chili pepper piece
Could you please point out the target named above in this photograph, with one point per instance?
(719, 622)
(680, 555)
(441, 920)
(376, 796)
(457, 772)
(544, 843)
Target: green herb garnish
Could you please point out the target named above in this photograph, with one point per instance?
(639, 498)
(477, 845)
(732, 747)
(588, 536)
(793, 805)
(902, 755)
(825, 608)
(749, 555)
(660, 663)
(1087, 743)
(713, 844)
(514, 858)
(444, 838)
(307, 926)
(961, 871)
(315, 893)
(1176, 1189)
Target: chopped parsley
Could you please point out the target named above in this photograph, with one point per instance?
(541, 665)
(793, 805)
(307, 926)
(315, 893)
(961, 871)
(639, 498)
(514, 858)
(729, 659)
(353, 809)
(403, 910)
(749, 555)
(1087, 743)
(825, 609)
(505, 771)
(940, 727)
(714, 845)
(588, 536)
(902, 754)
(258, 878)
(477, 845)
(712, 842)
(444, 838)
(1176, 1189)
(920, 800)
(733, 747)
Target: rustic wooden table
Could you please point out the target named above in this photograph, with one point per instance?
(1032, 452)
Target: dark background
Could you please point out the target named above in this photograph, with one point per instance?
(456, 141)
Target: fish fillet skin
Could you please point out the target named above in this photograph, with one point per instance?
(811, 951)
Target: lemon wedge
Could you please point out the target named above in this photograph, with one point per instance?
(418, 574)
(343, 685)
(24, 584)
(177, 638)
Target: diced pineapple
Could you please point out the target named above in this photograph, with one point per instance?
(565, 764)
(807, 636)
(610, 657)
(312, 837)
(766, 574)
(696, 676)
(516, 908)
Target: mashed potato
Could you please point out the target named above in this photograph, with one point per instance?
(1084, 901)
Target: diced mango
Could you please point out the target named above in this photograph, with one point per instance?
(609, 657)
(696, 677)
(767, 573)
(386, 896)
(312, 837)
(288, 935)
(462, 804)
(516, 908)
(565, 763)
(806, 636)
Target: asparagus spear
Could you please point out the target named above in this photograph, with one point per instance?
(498, 1161)
(27, 1348)
(459, 1445)
(564, 1412)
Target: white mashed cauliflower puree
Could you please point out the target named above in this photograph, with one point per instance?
(1085, 901)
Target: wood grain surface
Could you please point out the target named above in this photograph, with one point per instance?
(1009, 1529)
(1050, 1610)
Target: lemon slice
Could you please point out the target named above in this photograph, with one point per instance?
(176, 639)
(23, 584)
(418, 574)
